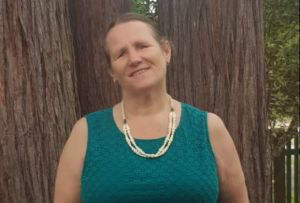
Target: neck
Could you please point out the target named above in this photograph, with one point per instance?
(147, 103)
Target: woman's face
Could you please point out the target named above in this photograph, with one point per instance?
(138, 61)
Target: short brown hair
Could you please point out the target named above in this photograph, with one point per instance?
(129, 17)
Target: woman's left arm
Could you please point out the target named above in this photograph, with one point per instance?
(231, 177)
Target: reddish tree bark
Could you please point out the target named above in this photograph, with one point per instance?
(37, 97)
(218, 66)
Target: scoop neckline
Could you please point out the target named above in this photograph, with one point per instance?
(147, 140)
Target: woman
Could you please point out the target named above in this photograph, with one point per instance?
(149, 147)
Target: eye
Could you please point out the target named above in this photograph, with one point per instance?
(141, 47)
(121, 54)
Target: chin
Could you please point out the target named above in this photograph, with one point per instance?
(146, 86)
(142, 88)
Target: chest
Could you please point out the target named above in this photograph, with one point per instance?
(151, 127)
(181, 175)
(146, 128)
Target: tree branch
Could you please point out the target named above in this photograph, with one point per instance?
(287, 136)
(286, 35)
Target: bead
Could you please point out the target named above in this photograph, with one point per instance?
(167, 142)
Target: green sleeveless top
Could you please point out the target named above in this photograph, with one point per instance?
(187, 173)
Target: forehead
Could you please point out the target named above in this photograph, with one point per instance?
(128, 32)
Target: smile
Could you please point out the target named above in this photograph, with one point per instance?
(139, 72)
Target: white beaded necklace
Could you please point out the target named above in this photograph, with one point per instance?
(168, 140)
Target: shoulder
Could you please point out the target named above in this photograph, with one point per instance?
(192, 111)
(75, 146)
(67, 184)
(80, 126)
(98, 115)
(230, 174)
(222, 144)
(77, 136)
(215, 125)
(220, 138)
(79, 133)
(214, 122)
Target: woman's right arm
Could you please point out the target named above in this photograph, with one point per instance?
(67, 184)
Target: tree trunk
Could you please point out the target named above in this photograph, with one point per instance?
(37, 97)
(89, 20)
(279, 178)
(218, 66)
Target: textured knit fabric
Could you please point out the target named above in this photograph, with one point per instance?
(185, 174)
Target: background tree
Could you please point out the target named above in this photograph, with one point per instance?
(38, 99)
(218, 66)
(282, 63)
(147, 8)
(282, 66)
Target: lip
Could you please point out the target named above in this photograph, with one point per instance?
(131, 75)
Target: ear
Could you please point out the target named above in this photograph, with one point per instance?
(111, 73)
(166, 46)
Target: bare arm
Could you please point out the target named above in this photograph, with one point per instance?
(67, 184)
(231, 178)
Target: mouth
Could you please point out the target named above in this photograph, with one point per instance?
(139, 72)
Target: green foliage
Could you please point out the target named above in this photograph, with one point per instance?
(282, 57)
(147, 8)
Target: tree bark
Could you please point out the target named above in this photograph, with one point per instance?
(89, 20)
(37, 97)
(218, 66)
(279, 178)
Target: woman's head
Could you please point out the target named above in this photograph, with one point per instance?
(136, 52)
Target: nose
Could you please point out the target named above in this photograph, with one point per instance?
(134, 58)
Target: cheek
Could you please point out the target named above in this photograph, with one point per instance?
(155, 57)
(161, 61)
(118, 68)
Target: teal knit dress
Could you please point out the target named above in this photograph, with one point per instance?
(187, 173)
